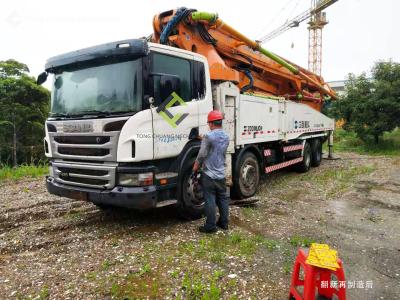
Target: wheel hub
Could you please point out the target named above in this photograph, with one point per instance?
(194, 191)
(248, 175)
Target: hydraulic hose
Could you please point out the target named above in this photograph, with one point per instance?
(180, 14)
(212, 18)
(250, 85)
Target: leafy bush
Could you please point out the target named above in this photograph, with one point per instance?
(349, 141)
(371, 106)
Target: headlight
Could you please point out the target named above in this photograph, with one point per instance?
(141, 179)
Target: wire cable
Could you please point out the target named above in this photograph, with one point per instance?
(275, 17)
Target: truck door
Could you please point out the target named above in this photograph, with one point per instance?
(175, 114)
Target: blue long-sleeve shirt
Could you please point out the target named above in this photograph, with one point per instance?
(212, 153)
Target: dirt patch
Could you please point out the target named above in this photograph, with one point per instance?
(57, 248)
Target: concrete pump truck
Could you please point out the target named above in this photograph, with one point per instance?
(126, 116)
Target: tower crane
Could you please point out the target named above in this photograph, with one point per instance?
(317, 22)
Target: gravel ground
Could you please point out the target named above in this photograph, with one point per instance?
(57, 248)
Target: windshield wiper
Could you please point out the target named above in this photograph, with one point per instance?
(122, 112)
(91, 112)
(100, 113)
(56, 115)
(97, 113)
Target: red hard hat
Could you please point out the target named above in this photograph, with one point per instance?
(214, 115)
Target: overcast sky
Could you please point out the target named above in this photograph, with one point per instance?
(359, 32)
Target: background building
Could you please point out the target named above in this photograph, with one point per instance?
(338, 86)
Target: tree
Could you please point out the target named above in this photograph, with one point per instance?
(371, 107)
(23, 107)
(12, 67)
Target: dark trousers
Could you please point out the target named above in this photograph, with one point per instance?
(214, 191)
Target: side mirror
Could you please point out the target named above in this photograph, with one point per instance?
(148, 100)
(168, 85)
(41, 78)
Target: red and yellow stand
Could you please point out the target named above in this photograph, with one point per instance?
(316, 280)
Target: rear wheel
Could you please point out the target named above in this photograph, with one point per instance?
(316, 152)
(246, 176)
(191, 202)
(305, 164)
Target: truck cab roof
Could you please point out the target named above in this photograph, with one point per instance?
(123, 49)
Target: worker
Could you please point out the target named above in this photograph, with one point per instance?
(211, 159)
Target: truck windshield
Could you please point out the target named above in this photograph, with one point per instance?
(105, 89)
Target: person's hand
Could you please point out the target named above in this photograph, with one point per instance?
(196, 166)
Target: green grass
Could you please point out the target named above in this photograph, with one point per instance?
(91, 276)
(179, 273)
(301, 241)
(196, 287)
(9, 173)
(146, 268)
(338, 175)
(107, 264)
(345, 141)
(44, 293)
(335, 181)
(135, 286)
(73, 215)
(217, 248)
(331, 182)
(139, 284)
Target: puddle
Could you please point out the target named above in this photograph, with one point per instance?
(366, 186)
(338, 207)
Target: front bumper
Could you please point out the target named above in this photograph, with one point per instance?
(129, 197)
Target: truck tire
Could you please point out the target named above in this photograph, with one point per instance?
(316, 152)
(189, 206)
(305, 164)
(246, 176)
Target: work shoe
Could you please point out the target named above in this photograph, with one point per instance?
(203, 229)
(222, 226)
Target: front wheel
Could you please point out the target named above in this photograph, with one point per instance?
(190, 201)
(246, 176)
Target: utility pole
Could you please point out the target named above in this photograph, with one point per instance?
(14, 141)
